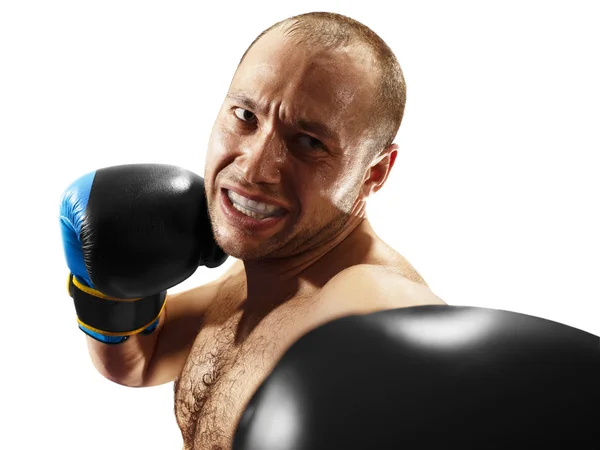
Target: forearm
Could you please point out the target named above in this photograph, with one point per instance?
(126, 363)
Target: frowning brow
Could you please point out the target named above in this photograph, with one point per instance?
(246, 101)
(317, 128)
(309, 126)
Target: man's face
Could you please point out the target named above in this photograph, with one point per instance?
(285, 163)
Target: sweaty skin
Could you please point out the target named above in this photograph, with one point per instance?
(290, 133)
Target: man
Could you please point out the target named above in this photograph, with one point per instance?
(303, 139)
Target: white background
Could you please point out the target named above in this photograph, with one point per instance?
(493, 197)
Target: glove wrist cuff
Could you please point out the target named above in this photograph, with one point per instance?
(109, 316)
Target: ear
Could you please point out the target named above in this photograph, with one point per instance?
(379, 171)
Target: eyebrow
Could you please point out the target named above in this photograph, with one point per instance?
(309, 126)
(246, 101)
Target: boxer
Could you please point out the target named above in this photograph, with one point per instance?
(304, 137)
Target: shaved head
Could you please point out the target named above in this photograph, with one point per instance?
(334, 31)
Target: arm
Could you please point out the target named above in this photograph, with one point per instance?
(158, 358)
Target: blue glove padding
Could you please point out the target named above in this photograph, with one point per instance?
(72, 210)
(72, 213)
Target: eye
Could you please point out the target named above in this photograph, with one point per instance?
(244, 114)
(312, 142)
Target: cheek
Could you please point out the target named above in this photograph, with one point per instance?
(343, 198)
(217, 144)
(218, 152)
(329, 193)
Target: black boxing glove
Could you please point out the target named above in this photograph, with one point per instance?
(427, 377)
(131, 232)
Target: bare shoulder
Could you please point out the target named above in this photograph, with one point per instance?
(367, 288)
(188, 309)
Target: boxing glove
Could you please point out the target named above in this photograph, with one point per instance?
(129, 233)
(432, 376)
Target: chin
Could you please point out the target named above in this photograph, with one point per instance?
(237, 246)
(244, 254)
(247, 249)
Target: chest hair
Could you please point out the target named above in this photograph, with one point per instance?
(220, 376)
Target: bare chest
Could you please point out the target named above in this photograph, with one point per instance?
(219, 378)
(223, 370)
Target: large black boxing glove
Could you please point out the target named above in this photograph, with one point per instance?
(430, 377)
(131, 232)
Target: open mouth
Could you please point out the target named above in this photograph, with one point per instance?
(250, 213)
(252, 208)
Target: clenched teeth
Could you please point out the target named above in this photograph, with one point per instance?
(252, 208)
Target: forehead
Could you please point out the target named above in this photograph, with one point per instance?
(304, 79)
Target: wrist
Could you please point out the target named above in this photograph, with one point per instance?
(111, 320)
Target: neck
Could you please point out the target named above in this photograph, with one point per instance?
(277, 280)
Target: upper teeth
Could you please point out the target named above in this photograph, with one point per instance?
(252, 205)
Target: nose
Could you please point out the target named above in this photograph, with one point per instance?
(262, 158)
